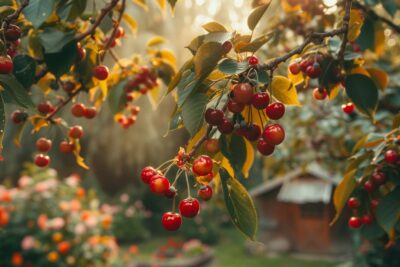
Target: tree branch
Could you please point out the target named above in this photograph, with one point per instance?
(62, 105)
(17, 12)
(345, 27)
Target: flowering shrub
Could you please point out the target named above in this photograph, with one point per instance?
(48, 222)
(178, 249)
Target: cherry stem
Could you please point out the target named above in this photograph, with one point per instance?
(173, 204)
(187, 185)
(164, 163)
(62, 105)
(178, 174)
(17, 12)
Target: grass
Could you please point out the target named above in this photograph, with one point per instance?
(230, 252)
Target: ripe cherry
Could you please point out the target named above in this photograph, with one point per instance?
(45, 107)
(211, 145)
(374, 203)
(43, 145)
(76, 132)
(159, 184)
(214, 116)
(90, 112)
(367, 219)
(304, 64)
(355, 222)
(119, 32)
(348, 108)
(253, 132)
(147, 174)
(189, 207)
(313, 71)
(275, 110)
(171, 192)
(66, 147)
(253, 60)
(226, 127)
(12, 33)
(205, 192)
(319, 94)
(369, 186)
(294, 68)
(391, 156)
(101, 72)
(135, 110)
(6, 65)
(235, 107)
(260, 100)
(227, 46)
(265, 148)
(171, 221)
(18, 116)
(274, 134)
(202, 165)
(353, 203)
(81, 53)
(378, 178)
(243, 93)
(42, 160)
(78, 109)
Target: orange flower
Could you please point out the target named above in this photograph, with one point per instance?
(4, 217)
(63, 247)
(6, 197)
(17, 259)
(57, 237)
(42, 221)
(133, 249)
(80, 192)
(85, 215)
(52, 256)
(107, 220)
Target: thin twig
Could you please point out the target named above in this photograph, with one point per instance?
(345, 27)
(17, 12)
(62, 105)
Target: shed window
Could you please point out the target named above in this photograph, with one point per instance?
(312, 210)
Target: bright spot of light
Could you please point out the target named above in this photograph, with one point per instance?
(213, 7)
(200, 2)
(238, 3)
(329, 3)
(201, 20)
(188, 4)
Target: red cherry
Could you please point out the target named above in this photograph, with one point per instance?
(101, 72)
(42, 160)
(235, 107)
(367, 219)
(313, 71)
(78, 109)
(243, 93)
(45, 108)
(275, 111)
(112, 44)
(304, 64)
(260, 100)
(355, 222)
(12, 52)
(202, 165)
(189, 207)
(227, 47)
(68, 86)
(159, 184)
(66, 147)
(391, 156)
(12, 33)
(264, 148)
(43, 145)
(226, 127)
(348, 108)
(205, 192)
(294, 68)
(214, 116)
(211, 145)
(6, 65)
(170, 193)
(135, 110)
(81, 53)
(119, 32)
(253, 132)
(147, 174)
(353, 203)
(374, 203)
(171, 221)
(274, 134)
(378, 178)
(253, 60)
(90, 113)
(76, 132)
(319, 95)
(369, 186)
(18, 116)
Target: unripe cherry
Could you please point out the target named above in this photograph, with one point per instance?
(319, 94)
(211, 145)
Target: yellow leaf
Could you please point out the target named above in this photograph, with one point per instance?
(241, 41)
(343, 192)
(156, 41)
(79, 159)
(355, 24)
(333, 93)
(256, 15)
(18, 133)
(256, 116)
(380, 77)
(44, 83)
(162, 4)
(216, 75)
(284, 90)
(141, 3)
(379, 44)
(131, 22)
(154, 96)
(168, 56)
(214, 27)
(195, 138)
(287, 8)
(38, 122)
(249, 159)
(360, 70)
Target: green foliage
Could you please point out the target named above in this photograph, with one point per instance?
(25, 70)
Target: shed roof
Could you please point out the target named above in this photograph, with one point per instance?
(306, 191)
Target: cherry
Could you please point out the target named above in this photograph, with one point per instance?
(226, 127)
(45, 108)
(171, 221)
(353, 203)
(78, 110)
(275, 110)
(189, 207)
(211, 145)
(304, 64)
(214, 116)
(147, 174)
(235, 107)
(66, 147)
(159, 184)
(319, 94)
(264, 148)
(76, 132)
(112, 44)
(12, 33)
(391, 156)
(101, 72)
(260, 100)
(6, 65)
(90, 113)
(243, 93)
(202, 165)
(42, 160)
(367, 219)
(369, 186)
(68, 86)
(313, 71)
(374, 203)
(294, 68)
(227, 46)
(119, 32)
(348, 108)
(171, 192)
(378, 178)
(43, 145)
(355, 222)
(81, 53)
(205, 192)
(253, 132)
(135, 110)
(18, 116)
(274, 134)
(253, 60)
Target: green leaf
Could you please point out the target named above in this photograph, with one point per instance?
(16, 90)
(2, 122)
(388, 211)
(71, 9)
(186, 86)
(38, 11)
(193, 112)
(343, 191)
(256, 15)
(363, 93)
(230, 66)
(390, 6)
(178, 76)
(256, 43)
(234, 149)
(116, 98)
(239, 204)
(217, 37)
(206, 58)
(214, 27)
(175, 121)
(54, 40)
(67, 55)
(263, 76)
(24, 69)
(366, 39)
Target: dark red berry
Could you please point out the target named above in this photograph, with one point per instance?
(119, 32)
(319, 94)
(243, 93)
(235, 107)
(45, 108)
(170, 193)
(147, 174)
(274, 134)
(78, 109)
(227, 47)
(43, 145)
(189, 207)
(205, 192)
(374, 203)
(294, 68)
(90, 112)
(253, 132)
(378, 178)
(226, 127)
(253, 60)
(353, 203)
(171, 221)
(369, 186)
(367, 219)
(214, 116)
(304, 64)
(391, 156)
(313, 71)
(355, 222)
(265, 148)
(6, 65)
(66, 147)
(81, 53)
(260, 100)
(18, 116)
(76, 132)
(42, 160)
(202, 165)
(101, 72)
(275, 110)
(12, 32)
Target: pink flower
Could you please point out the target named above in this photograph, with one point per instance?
(80, 229)
(41, 187)
(24, 181)
(27, 243)
(124, 198)
(75, 205)
(57, 223)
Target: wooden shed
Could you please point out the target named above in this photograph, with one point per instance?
(297, 208)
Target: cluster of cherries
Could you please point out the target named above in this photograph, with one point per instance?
(188, 207)
(80, 110)
(377, 179)
(127, 121)
(119, 33)
(12, 34)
